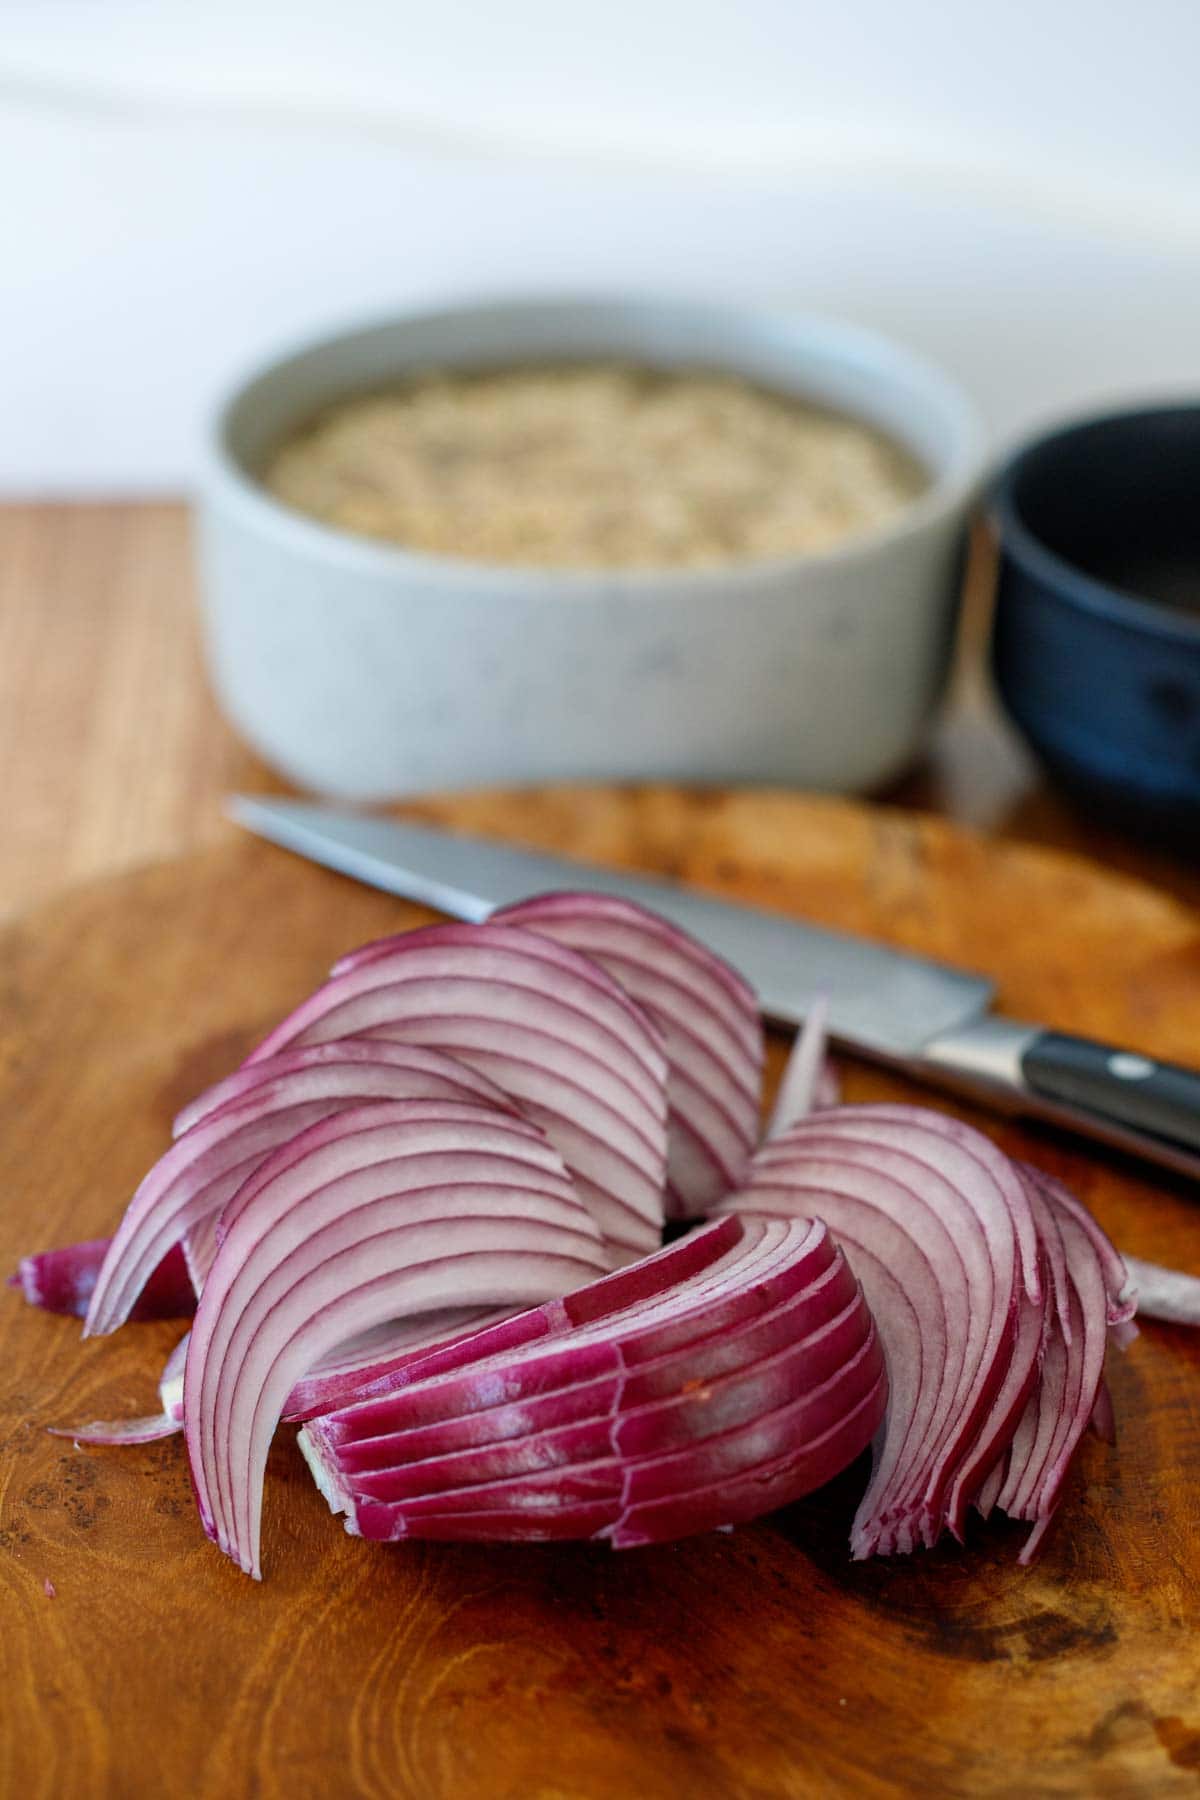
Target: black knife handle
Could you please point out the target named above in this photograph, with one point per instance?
(1135, 1093)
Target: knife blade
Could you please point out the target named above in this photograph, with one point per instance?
(908, 1011)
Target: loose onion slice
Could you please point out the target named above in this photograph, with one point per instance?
(1164, 1293)
(549, 1026)
(710, 1024)
(63, 1281)
(163, 1424)
(399, 1207)
(807, 1082)
(236, 1127)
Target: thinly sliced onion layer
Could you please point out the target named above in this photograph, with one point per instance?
(396, 1208)
(549, 1026)
(932, 1237)
(248, 1118)
(1068, 1395)
(148, 1429)
(63, 1281)
(1164, 1293)
(710, 1025)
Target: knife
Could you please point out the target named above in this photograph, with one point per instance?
(933, 1022)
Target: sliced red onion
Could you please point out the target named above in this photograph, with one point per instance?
(707, 1441)
(937, 1233)
(1114, 1274)
(548, 1025)
(903, 1249)
(1164, 1293)
(666, 1303)
(147, 1430)
(714, 1483)
(258, 1110)
(396, 1208)
(63, 1281)
(637, 1356)
(639, 1414)
(355, 1370)
(448, 1079)
(806, 1083)
(669, 1403)
(1068, 1394)
(710, 1024)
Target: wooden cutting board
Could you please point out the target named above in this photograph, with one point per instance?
(740, 1666)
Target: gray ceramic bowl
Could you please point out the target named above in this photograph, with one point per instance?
(364, 671)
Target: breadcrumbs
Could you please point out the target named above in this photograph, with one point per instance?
(593, 466)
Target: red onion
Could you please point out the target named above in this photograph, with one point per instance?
(239, 1125)
(402, 1214)
(394, 1208)
(644, 1422)
(807, 1082)
(1164, 1293)
(548, 1025)
(1068, 1393)
(576, 1422)
(682, 1298)
(933, 1239)
(63, 1281)
(710, 1025)
(162, 1424)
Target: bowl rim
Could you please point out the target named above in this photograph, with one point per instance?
(1068, 582)
(958, 484)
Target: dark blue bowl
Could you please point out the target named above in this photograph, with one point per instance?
(1096, 641)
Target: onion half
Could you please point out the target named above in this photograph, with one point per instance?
(758, 1372)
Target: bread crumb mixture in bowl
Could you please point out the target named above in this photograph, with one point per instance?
(597, 465)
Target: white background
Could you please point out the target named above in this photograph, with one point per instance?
(1015, 190)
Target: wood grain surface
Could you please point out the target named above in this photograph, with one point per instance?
(733, 1666)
